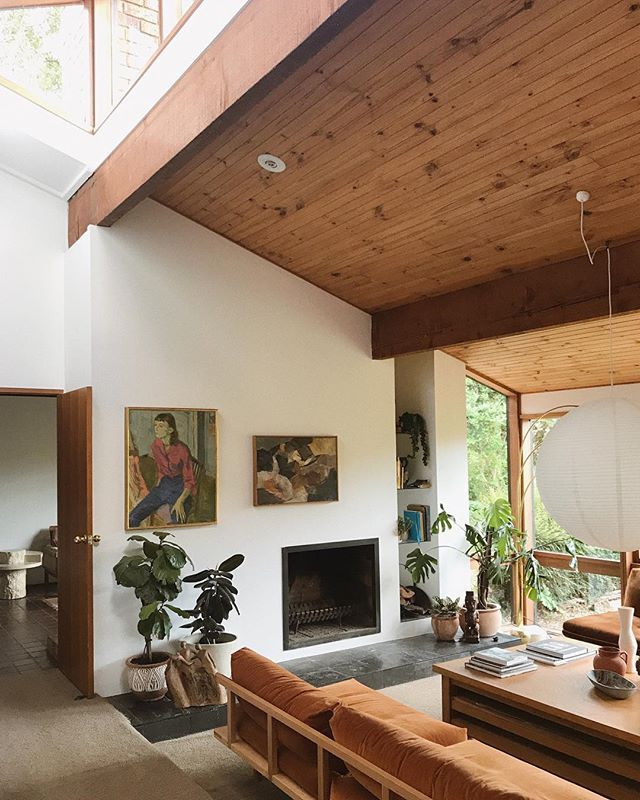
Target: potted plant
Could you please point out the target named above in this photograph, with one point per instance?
(416, 427)
(444, 618)
(495, 544)
(213, 605)
(153, 571)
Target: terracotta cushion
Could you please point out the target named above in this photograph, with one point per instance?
(362, 698)
(300, 770)
(480, 772)
(632, 592)
(348, 788)
(279, 687)
(600, 629)
(408, 757)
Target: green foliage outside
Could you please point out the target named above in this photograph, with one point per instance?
(488, 480)
(28, 39)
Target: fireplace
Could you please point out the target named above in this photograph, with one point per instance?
(330, 591)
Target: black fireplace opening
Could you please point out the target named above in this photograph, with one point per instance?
(330, 591)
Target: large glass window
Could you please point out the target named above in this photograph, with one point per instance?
(44, 51)
(565, 592)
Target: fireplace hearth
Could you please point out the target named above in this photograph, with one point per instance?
(330, 591)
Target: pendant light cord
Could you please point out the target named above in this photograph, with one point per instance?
(591, 256)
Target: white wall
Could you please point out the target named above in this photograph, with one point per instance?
(28, 474)
(182, 317)
(433, 384)
(540, 402)
(32, 246)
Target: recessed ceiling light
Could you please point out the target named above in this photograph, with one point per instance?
(271, 163)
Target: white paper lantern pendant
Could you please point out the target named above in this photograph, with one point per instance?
(588, 470)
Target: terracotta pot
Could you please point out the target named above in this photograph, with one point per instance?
(612, 659)
(490, 620)
(444, 628)
(147, 681)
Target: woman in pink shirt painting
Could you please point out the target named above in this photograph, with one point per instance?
(176, 486)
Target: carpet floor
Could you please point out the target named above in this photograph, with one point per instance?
(224, 776)
(55, 747)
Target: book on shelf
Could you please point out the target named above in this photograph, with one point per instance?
(557, 661)
(488, 669)
(557, 649)
(425, 513)
(501, 658)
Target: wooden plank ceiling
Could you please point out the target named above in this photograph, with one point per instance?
(432, 145)
(565, 357)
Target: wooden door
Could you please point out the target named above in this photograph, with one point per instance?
(75, 559)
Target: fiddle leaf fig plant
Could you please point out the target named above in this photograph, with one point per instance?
(153, 572)
(215, 602)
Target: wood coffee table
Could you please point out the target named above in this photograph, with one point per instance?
(552, 718)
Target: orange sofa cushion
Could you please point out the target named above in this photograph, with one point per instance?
(632, 592)
(480, 772)
(600, 629)
(355, 695)
(279, 687)
(300, 770)
(408, 757)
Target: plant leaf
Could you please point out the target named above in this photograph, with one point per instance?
(231, 563)
(148, 610)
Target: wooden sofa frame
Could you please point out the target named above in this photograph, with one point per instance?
(391, 787)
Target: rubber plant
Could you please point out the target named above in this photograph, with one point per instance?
(153, 572)
(215, 602)
(416, 427)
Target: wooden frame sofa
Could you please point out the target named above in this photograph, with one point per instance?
(349, 742)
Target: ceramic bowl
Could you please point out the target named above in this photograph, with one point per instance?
(611, 684)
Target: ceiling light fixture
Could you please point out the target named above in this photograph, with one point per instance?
(271, 163)
(588, 469)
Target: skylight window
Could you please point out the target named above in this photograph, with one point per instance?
(44, 53)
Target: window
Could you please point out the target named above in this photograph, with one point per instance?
(44, 51)
(566, 593)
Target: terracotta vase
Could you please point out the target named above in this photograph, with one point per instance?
(490, 620)
(612, 659)
(445, 628)
(627, 641)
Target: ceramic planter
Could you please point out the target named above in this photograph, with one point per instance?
(490, 620)
(444, 627)
(147, 681)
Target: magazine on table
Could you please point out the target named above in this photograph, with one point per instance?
(500, 657)
(556, 649)
(501, 673)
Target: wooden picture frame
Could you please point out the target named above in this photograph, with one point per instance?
(171, 467)
(288, 470)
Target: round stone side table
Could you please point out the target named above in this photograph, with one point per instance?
(13, 572)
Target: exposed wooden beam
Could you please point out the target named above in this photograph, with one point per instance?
(264, 44)
(556, 294)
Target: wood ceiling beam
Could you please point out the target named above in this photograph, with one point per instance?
(263, 45)
(556, 294)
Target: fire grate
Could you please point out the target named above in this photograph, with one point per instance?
(307, 613)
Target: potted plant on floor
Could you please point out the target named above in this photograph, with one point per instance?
(153, 572)
(494, 544)
(444, 618)
(215, 602)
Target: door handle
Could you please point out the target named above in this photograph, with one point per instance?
(89, 538)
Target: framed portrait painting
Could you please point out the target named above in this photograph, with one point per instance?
(171, 476)
(294, 469)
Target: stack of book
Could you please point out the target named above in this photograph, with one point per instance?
(501, 663)
(555, 652)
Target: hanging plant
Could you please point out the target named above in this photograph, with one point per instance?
(416, 427)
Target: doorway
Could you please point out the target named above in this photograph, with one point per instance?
(28, 535)
(47, 473)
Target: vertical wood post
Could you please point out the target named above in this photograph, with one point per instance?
(324, 779)
(232, 718)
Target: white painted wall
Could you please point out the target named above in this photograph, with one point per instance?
(32, 245)
(433, 384)
(28, 474)
(540, 402)
(182, 317)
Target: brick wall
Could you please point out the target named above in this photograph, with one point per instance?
(137, 37)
